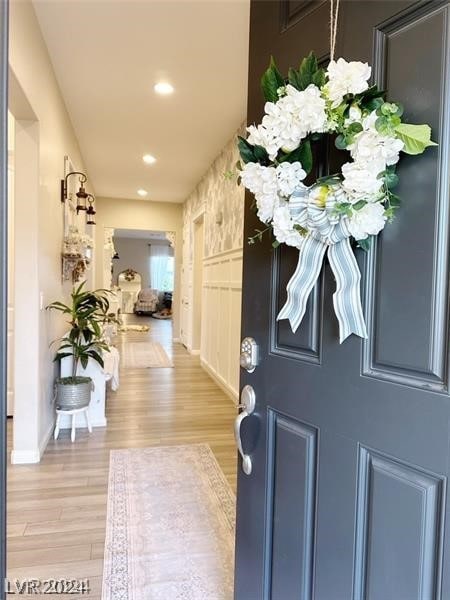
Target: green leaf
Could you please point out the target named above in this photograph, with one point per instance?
(293, 78)
(340, 142)
(307, 71)
(372, 104)
(261, 155)
(331, 178)
(275, 244)
(245, 150)
(371, 92)
(415, 137)
(365, 244)
(399, 111)
(302, 154)
(390, 179)
(248, 154)
(355, 128)
(394, 200)
(96, 357)
(271, 81)
(61, 355)
(388, 108)
(382, 125)
(319, 78)
(343, 208)
(301, 230)
(359, 205)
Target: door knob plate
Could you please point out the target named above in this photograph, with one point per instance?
(248, 403)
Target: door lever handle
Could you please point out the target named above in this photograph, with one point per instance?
(248, 404)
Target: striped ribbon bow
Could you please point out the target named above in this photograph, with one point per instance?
(327, 231)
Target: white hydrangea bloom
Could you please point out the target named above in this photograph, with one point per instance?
(259, 179)
(307, 109)
(370, 145)
(369, 121)
(289, 175)
(346, 78)
(354, 115)
(362, 178)
(289, 120)
(277, 130)
(263, 183)
(283, 227)
(370, 220)
(265, 137)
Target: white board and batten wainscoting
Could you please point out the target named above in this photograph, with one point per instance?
(221, 317)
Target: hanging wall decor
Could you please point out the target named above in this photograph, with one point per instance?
(355, 203)
(76, 254)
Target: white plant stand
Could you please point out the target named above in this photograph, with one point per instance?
(73, 414)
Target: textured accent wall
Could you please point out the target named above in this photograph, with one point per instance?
(221, 196)
(221, 202)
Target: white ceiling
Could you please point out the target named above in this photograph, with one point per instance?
(107, 56)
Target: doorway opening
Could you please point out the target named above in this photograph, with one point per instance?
(141, 274)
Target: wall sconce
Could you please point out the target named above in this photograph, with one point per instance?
(116, 256)
(90, 212)
(82, 191)
(81, 197)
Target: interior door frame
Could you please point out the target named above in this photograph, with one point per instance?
(3, 275)
(197, 218)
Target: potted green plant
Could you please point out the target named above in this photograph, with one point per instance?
(87, 312)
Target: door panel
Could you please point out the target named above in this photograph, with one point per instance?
(306, 343)
(419, 356)
(399, 528)
(292, 462)
(350, 443)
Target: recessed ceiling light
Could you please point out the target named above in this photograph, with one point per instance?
(163, 88)
(148, 159)
(142, 192)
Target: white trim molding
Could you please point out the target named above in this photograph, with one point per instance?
(222, 292)
(24, 457)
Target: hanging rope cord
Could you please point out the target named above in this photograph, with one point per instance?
(334, 14)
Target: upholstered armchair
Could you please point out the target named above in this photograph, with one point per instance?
(147, 301)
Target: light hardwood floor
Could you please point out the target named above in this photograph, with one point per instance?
(57, 509)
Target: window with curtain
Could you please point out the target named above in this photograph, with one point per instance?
(161, 267)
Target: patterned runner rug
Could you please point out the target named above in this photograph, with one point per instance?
(144, 355)
(170, 526)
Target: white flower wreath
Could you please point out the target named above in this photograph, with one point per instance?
(355, 203)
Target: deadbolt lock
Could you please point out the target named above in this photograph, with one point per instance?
(249, 358)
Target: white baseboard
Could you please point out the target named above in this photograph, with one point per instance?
(24, 457)
(46, 438)
(232, 394)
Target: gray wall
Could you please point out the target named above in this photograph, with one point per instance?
(134, 254)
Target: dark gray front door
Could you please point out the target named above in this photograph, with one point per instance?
(347, 499)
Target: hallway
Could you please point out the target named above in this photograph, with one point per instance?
(57, 509)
